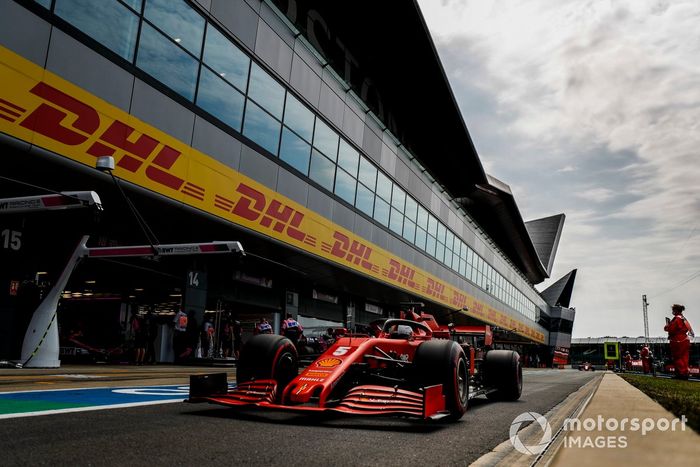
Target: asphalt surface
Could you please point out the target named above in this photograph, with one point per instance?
(189, 434)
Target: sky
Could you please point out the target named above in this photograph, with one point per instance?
(591, 108)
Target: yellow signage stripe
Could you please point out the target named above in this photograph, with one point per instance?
(41, 108)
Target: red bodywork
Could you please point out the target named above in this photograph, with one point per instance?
(315, 388)
(311, 390)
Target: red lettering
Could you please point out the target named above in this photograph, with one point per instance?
(292, 231)
(250, 197)
(341, 245)
(165, 158)
(46, 120)
(277, 211)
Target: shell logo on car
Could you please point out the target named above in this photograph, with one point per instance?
(329, 362)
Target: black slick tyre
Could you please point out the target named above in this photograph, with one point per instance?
(443, 362)
(504, 374)
(268, 356)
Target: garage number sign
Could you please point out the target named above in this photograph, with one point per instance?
(612, 350)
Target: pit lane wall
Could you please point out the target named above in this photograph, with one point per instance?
(42, 109)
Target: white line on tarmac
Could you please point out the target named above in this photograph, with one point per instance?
(86, 409)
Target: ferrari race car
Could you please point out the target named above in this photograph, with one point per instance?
(586, 366)
(413, 368)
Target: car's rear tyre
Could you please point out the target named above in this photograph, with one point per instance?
(268, 356)
(443, 362)
(504, 374)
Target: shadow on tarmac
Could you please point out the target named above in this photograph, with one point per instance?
(389, 423)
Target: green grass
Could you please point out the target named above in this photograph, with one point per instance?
(678, 397)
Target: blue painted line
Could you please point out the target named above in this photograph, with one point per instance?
(103, 396)
(65, 400)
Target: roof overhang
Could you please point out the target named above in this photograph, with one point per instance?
(493, 207)
(384, 50)
(393, 65)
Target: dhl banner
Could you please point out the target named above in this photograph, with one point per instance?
(40, 108)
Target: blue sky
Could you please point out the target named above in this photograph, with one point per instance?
(591, 108)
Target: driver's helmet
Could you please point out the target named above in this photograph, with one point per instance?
(402, 331)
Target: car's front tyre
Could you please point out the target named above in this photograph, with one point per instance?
(268, 356)
(443, 362)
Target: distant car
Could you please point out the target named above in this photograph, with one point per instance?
(414, 368)
(586, 366)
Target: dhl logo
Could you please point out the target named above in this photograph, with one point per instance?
(459, 300)
(352, 251)
(436, 289)
(401, 273)
(254, 206)
(72, 122)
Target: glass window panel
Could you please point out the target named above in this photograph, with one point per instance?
(432, 225)
(463, 267)
(326, 140)
(409, 230)
(440, 252)
(220, 99)
(112, 24)
(455, 261)
(295, 151)
(396, 221)
(422, 217)
(179, 21)
(345, 185)
(449, 240)
(261, 127)
(368, 173)
(322, 170)
(398, 198)
(441, 232)
(364, 201)
(421, 237)
(135, 4)
(44, 3)
(430, 245)
(381, 211)
(348, 158)
(411, 208)
(226, 59)
(161, 58)
(470, 256)
(267, 92)
(298, 117)
(384, 186)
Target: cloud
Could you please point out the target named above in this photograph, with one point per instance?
(597, 195)
(607, 94)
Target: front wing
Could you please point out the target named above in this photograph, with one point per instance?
(427, 403)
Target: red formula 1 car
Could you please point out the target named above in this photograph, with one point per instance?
(586, 366)
(412, 368)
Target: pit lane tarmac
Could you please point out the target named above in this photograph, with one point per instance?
(186, 434)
